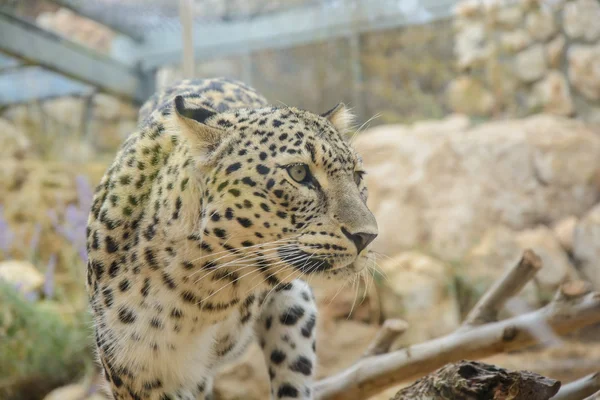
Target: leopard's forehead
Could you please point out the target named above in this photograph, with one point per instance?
(289, 134)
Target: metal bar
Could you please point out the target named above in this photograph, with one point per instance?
(34, 83)
(33, 45)
(289, 28)
(79, 9)
(186, 16)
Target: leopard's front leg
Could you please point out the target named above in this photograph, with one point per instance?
(286, 331)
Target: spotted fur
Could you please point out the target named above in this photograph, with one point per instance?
(199, 236)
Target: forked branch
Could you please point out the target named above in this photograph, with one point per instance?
(573, 307)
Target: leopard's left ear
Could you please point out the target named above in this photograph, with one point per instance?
(340, 117)
(191, 123)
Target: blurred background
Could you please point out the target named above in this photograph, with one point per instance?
(479, 128)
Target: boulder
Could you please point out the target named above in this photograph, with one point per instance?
(552, 95)
(13, 141)
(580, 19)
(556, 265)
(554, 51)
(469, 96)
(530, 64)
(540, 24)
(586, 245)
(497, 251)
(584, 69)
(564, 230)
(442, 191)
(21, 274)
(418, 289)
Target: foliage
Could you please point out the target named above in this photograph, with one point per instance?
(38, 348)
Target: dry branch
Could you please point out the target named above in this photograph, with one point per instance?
(573, 307)
(487, 308)
(390, 330)
(472, 380)
(579, 389)
(595, 396)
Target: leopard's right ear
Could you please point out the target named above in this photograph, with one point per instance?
(192, 124)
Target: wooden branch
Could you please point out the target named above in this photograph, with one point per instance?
(487, 308)
(369, 376)
(474, 380)
(389, 331)
(595, 396)
(579, 389)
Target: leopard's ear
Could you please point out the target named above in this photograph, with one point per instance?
(340, 117)
(191, 122)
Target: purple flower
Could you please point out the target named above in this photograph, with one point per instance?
(35, 238)
(49, 277)
(6, 234)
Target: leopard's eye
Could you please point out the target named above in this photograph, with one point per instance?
(300, 173)
(358, 176)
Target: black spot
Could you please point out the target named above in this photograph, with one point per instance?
(156, 323)
(233, 167)
(168, 280)
(124, 285)
(248, 181)
(114, 269)
(292, 315)
(126, 316)
(108, 297)
(287, 390)
(245, 222)
(235, 192)
(111, 245)
(262, 169)
(308, 327)
(277, 123)
(302, 365)
(229, 213)
(277, 356)
(220, 233)
(146, 287)
(268, 322)
(176, 313)
(263, 156)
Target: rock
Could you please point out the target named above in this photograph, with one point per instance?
(564, 230)
(442, 192)
(470, 45)
(467, 8)
(446, 126)
(469, 96)
(13, 141)
(70, 392)
(586, 245)
(530, 64)
(540, 24)
(497, 252)
(552, 95)
(418, 285)
(554, 51)
(584, 69)
(21, 274)
(557, 267)
(580, 19)
(515, 40)
(508, 16)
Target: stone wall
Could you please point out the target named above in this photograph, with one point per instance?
(519, 57)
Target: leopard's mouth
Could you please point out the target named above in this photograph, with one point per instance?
(305, 262)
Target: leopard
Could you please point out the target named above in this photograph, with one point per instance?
(207, 233)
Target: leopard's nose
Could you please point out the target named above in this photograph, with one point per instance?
(360, 239)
